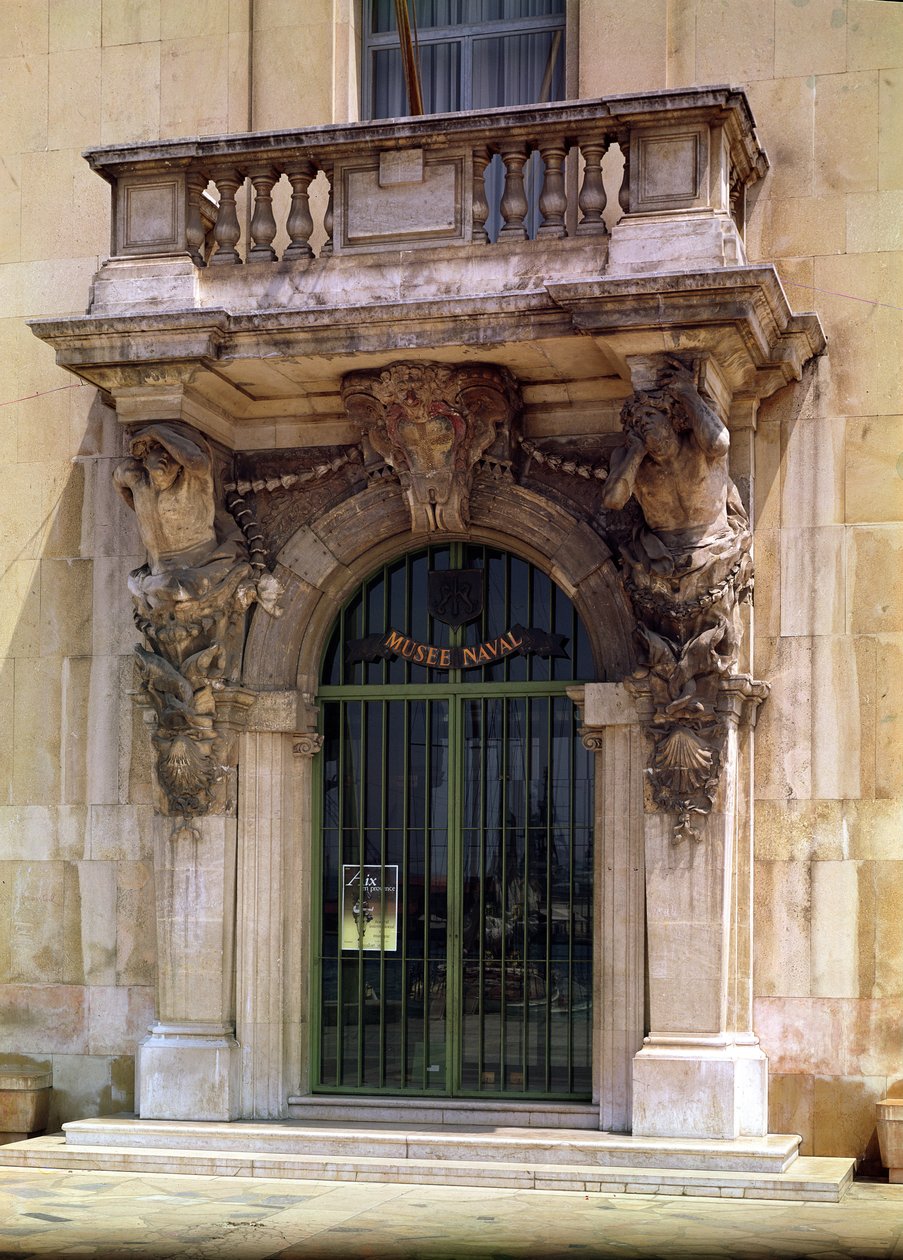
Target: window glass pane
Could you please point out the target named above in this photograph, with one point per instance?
(429, 13)
(517, 69)
(509, 10)
(440, 81)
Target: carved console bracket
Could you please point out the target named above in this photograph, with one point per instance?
(307, 744)
(688, 751)
(434, 425)
(191, 601)
(684, 553)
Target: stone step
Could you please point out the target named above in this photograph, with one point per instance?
(808, 1179)
(399, 1141)
(444, 1111)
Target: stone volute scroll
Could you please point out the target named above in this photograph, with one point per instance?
(686, 566)
(191, 600)
(433, 425)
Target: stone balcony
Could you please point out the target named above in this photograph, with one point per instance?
(245, 331)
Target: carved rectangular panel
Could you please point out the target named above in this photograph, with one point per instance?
(669, 170)
(150, 216)
(386, 206)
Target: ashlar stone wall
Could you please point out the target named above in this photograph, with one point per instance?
(825, 79)
(77, 953)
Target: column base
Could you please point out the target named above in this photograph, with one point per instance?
(685, 1089)
(189, 1072)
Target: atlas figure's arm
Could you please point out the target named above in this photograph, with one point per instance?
(713, 438)
(625, 463)
(127, 475)
(193, 458)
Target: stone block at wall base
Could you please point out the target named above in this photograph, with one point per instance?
(24, 1104)
(188, 1072)
(699, 1091)
(890, 1136)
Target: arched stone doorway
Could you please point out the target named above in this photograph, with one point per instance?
(321, 566)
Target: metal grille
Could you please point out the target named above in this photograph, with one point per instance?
(465, 803)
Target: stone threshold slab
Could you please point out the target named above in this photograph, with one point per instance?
(810, 1180)
(442, 1112)
(772, 1154)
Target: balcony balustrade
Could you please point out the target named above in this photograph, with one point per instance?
(420, 182)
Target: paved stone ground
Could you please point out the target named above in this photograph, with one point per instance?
(111, 1215)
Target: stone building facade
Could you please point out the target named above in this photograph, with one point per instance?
(310, 420)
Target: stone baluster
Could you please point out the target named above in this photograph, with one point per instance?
(329, 217)
(592, 199)
(227, 231)
(263, 221)
(553, 199)
(195, 235)
(624, 190)
(514, 200)
(300, 224)
(479, 235)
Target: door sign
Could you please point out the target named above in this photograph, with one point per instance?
(369, 903)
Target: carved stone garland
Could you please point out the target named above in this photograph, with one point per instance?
(687, 568)
(191, 601)
(433, 424)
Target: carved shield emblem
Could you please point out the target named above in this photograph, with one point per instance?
(455, 595)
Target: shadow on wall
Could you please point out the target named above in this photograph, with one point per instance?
(77, 961)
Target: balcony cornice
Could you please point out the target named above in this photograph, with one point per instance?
(437, 131)
(250, 369)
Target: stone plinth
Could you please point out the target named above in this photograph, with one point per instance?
(189, 1065)
(701, 1073)
(189, 1070)
(24, 1104)
(890, 1136)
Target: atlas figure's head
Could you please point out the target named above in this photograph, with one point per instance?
(656, 421)
(161, 468)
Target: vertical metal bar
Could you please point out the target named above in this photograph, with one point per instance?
(531, 574)
(342, 616)
(454, 874)
(481, 1002)
(406, 665)
(505, 702)
(571, 799)
(402, 902)
(361, 851)
(525, 890)
(506, 675)
(550, 816)
(427, 882)
(382, 890)
(340, 997)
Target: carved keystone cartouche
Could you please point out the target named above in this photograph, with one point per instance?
(190, 600)
(432, 423)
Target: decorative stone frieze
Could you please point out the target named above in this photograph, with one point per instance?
(432, 424)
(191, 600)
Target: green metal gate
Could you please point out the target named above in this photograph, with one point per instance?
(454, 937)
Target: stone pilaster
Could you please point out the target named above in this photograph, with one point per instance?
(701, 1073)
(275, 771)
(611, 730)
